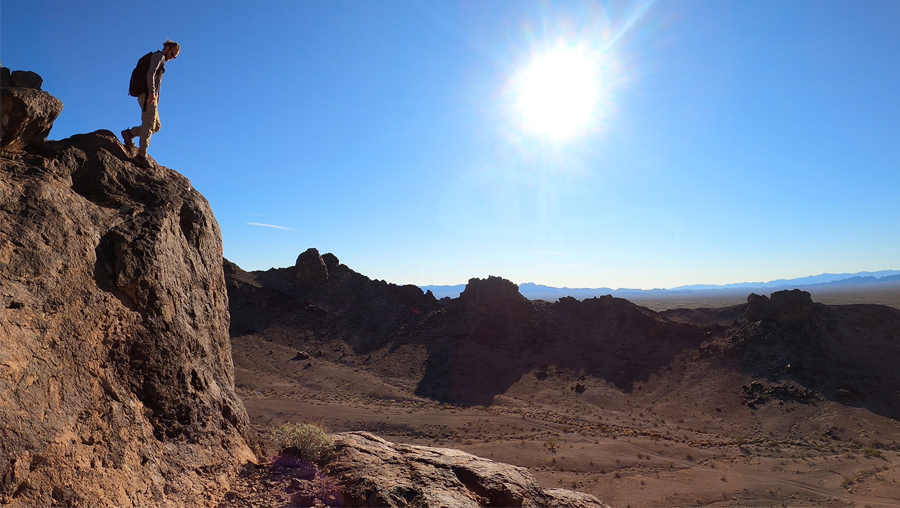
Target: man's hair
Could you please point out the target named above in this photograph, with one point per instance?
(172, 44)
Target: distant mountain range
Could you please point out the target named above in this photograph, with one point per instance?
(820, 282)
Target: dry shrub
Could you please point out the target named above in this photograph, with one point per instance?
(305, 441)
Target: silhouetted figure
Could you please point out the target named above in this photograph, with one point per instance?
(147, 92)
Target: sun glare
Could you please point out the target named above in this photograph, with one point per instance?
(557, 94)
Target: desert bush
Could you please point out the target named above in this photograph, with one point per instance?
(551, 445)
(306, 441)
(871, 452)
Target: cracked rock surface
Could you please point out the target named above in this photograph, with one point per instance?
(116, 378)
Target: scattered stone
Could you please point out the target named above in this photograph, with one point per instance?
(759, 392)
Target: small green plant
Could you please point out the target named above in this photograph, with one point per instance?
(551, 445)
(304, 441)
(740, 440)
(871, 452)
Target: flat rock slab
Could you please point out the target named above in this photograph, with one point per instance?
(374, 472)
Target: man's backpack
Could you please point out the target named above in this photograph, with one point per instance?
(138, 83)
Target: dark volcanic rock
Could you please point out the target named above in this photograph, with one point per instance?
(789, 340)
(26, 113)
(311, 267)
(116, 385)
(470, 349)
(788, 306)
(463, 351)
(25, 79)
(370, 471)
(493, 292)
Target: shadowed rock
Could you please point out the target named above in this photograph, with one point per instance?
(492, 293)
(788, 306)
(311, 267)
(116, 378)
(26, 112)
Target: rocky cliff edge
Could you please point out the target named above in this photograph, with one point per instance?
(116, 377)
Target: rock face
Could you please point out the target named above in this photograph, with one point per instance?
(485, 295)
(793, 306)
(373, 472)
(26, 112)
(468, 350)
(311, 267)
(463, 351)
(116, 378)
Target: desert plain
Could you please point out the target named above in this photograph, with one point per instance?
(684, 436)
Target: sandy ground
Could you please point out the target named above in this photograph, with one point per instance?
(676, 440)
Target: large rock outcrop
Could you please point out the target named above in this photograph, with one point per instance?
(116, 378)
(27, 113)
(373, 472)
(794, 306)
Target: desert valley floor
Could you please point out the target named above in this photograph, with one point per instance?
(683, 437)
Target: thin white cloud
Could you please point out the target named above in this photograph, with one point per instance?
(273, 226)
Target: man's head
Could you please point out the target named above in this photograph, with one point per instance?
(171, 49)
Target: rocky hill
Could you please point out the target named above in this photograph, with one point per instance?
(777, 401)
(480, 344)
(116, 376)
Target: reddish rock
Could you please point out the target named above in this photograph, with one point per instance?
(26, 113)
(116, 378)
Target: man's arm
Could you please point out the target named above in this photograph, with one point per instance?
(156, 61)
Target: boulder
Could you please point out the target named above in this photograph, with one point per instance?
(26, 79)
(26, 112)
(331, 261)
(490, 293)
(370, 471)
(311, 267)
(791, 306)
(117, 384)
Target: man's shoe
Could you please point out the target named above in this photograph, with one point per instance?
(143, 161)
(128, 138)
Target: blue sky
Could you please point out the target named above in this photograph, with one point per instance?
(721, 141)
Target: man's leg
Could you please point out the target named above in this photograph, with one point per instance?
(130, 133)
(149, 125)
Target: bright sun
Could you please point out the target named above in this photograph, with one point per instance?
(557, 93)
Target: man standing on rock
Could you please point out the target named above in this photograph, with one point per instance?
(148, 98)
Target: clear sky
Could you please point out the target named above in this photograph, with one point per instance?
(584, 144)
